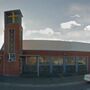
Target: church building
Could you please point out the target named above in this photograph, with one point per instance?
(39, 57)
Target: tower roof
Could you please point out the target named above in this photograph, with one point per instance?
(17, 11)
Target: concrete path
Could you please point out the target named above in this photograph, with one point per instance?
(46, 85)
(41, 82)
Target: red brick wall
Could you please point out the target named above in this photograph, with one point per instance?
(55, 53)
(1, 67)
(12, 68)
(1, 63)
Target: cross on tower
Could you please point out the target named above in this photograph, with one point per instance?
(13, 16)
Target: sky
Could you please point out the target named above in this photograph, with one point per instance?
(66, 20)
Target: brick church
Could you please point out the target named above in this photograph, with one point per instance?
(39, 57)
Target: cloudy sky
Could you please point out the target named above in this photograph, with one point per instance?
(51, 19)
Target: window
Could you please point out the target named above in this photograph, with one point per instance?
(13, 17)
(57, 60)
(82, 64)
(18, 20)
(81, 60)
(31, 60)
(11, 41)
(44, 60)
(70, 60)
(12, 57)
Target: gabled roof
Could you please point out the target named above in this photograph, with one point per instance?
(55, 45)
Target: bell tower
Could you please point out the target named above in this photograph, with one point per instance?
(12, 42)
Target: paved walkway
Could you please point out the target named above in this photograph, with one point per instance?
(41, 82)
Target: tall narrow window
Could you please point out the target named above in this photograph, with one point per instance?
(11, 45)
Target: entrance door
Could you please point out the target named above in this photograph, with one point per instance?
(29, 66)
(44, 66)
(82, 64)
